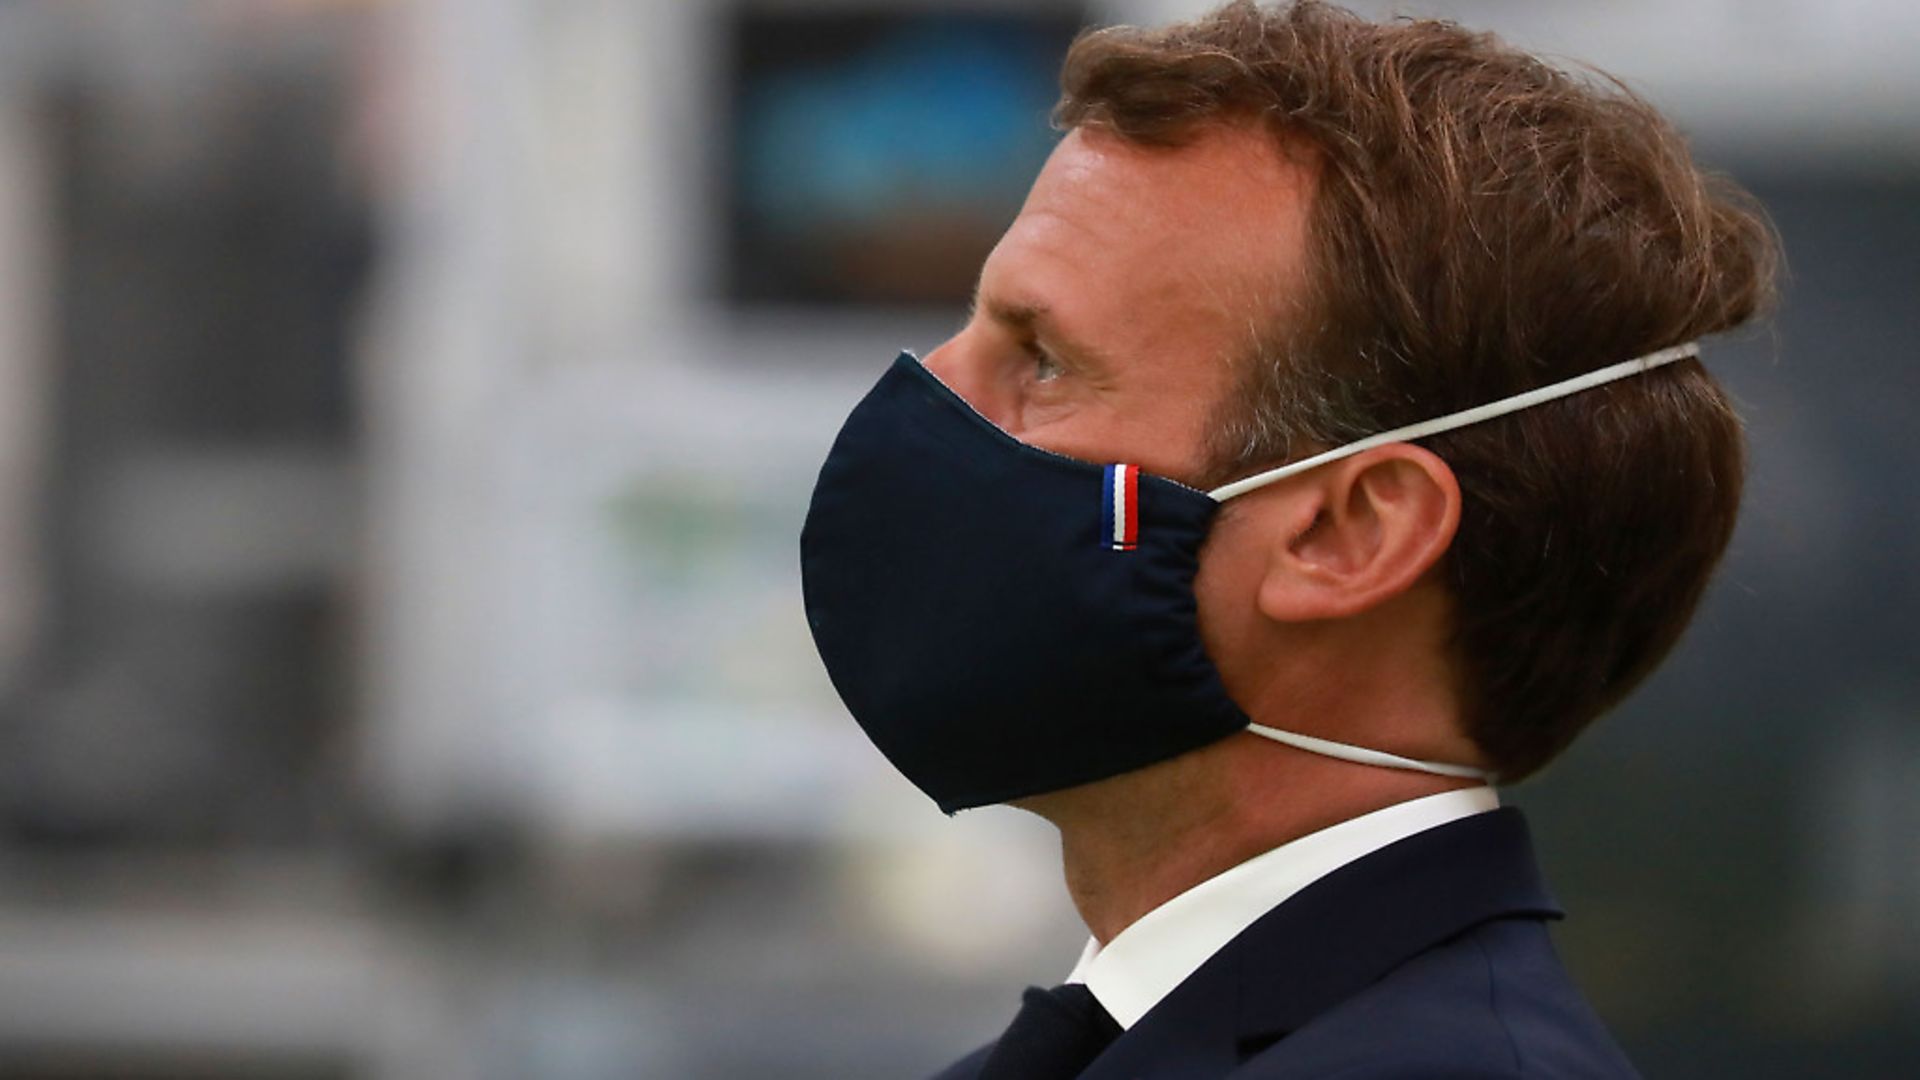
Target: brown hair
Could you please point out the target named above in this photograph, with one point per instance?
(1484, 224)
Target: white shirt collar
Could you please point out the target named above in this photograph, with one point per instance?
(1144, 962)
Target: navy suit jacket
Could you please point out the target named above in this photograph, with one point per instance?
(1426, 959)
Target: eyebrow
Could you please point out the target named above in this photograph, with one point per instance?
(1036, 319)
(1017, 315)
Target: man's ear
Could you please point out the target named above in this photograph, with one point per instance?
(1379, 521)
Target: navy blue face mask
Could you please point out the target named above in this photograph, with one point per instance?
(1004, 621)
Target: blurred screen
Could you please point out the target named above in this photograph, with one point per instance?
(877, 156)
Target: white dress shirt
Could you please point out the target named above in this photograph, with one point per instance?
(1144, 962)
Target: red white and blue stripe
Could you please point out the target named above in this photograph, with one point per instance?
(1120, 508)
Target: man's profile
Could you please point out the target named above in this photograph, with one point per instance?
(1060, 564)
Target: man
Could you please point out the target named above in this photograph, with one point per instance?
(1055, 566)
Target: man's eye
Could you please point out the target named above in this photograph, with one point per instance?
(1045, 367)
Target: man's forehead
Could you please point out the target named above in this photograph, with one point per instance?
(1211, 222)
(1227, 163)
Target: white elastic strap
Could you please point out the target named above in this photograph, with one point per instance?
(1463, 418)
(1363, 756)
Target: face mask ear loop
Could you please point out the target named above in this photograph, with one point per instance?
(1360, 755)
(1461, 419)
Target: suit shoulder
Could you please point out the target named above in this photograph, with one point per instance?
(967, 1067)
(1554, 1030)
(1494, 1002)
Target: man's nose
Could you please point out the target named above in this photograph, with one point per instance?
(952, 364)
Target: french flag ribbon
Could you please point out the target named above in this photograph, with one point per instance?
(1120, 507)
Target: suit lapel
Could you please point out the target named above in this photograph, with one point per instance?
(1331, 940)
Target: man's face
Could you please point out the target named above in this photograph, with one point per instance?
(1105, 318)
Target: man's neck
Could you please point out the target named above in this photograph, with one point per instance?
(1133, 843)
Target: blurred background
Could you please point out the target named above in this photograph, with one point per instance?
(407, 412)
